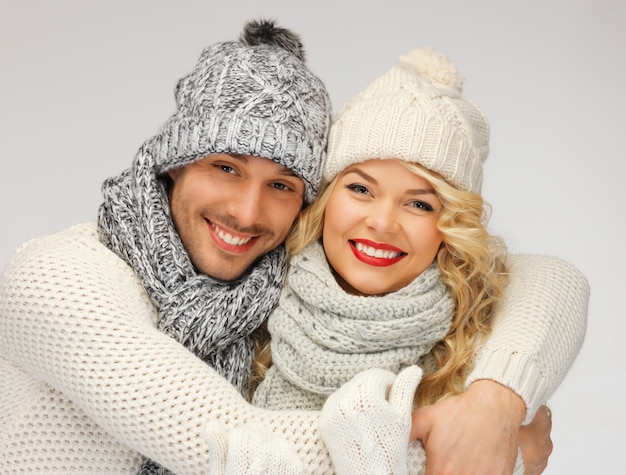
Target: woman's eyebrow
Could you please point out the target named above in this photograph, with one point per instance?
(410, 191)
(421, 191)
(364, 175)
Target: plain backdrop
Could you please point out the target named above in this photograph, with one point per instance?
(84, 83)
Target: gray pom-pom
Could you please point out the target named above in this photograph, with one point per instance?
(257, 32)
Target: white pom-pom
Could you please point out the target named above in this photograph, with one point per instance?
(430, 62)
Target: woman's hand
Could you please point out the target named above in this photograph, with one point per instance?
(365, 423)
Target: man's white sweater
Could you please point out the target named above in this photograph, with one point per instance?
(87, 382)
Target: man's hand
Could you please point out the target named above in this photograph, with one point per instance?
(475, 432)
(535, 442)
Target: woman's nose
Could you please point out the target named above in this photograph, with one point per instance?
(382, 217)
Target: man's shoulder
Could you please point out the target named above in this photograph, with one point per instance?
(89, 229)
(83, 233)
(74, 257)
(546, 267)
(79, 242)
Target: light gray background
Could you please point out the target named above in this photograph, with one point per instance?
(84, 83)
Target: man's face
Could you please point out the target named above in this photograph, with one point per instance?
(231, 209)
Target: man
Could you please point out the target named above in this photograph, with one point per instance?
(188, 239)
(235, 163)
(112, 336)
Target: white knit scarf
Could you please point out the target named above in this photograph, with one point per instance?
(322, 336)
(212, 318)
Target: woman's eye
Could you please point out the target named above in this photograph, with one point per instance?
(422, 205)
(357, 188)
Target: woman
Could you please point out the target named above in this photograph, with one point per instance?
(393, 264)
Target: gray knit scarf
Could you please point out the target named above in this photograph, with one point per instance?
(322, 336)
(212, 318)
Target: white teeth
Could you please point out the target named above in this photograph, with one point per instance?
(229, 239)
(378, 253)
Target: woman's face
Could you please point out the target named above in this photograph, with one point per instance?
(380, 227)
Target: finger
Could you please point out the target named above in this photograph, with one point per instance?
(542, 420)
(548, 412)
(403, 389)
(421, 425)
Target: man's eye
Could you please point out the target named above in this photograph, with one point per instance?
(357, 188)
(227, 169)
(280, 186)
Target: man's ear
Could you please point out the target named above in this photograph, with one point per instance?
(173, 173)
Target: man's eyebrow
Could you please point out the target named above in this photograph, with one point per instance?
(283, 169)
(287, 171)
(238, 156)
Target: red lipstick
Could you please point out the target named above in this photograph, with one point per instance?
(372, 260)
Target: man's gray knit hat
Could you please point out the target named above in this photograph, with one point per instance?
(253, 97)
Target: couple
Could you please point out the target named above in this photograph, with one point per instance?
(116, 337)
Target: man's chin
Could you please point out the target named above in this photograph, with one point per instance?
(225, 270)
(231, 268)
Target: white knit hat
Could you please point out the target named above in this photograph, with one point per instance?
(415, 112)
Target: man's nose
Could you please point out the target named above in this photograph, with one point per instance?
(246, 204)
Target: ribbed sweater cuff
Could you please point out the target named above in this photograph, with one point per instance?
(517, 371)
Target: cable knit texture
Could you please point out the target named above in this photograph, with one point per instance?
(366, 423)
(79, 343)
(322, 336)
(255, 96)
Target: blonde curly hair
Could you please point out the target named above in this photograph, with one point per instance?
(472, 264)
